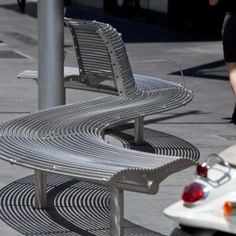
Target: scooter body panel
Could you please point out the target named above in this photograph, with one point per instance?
(208, 213)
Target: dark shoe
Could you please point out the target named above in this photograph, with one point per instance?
(233, 119)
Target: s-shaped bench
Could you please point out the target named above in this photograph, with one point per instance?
(69, 139)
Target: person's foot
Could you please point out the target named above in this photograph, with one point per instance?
(233, 119)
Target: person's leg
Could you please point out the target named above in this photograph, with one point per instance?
(21, 4)
(231, 68)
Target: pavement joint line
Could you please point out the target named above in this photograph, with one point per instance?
(22, 54)
(228, 137)
(14, 112)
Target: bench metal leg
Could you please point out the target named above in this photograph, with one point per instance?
(138, 130)
(40, 189)
(117, 211)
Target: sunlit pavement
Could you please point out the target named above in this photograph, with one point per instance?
(205, 122)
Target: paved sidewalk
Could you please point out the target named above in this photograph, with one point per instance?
(204, 122)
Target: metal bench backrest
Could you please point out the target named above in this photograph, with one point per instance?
(101, 56)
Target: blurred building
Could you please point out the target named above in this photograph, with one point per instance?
(188, 15)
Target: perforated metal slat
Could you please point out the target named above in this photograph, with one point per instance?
(68, 139)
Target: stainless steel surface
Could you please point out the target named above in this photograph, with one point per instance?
(101, 56)
(40, 179)
(68, 139)
(50, 53)
(117, 211)
(138, 130)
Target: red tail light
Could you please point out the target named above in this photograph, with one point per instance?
(202, 170)
(192, 193)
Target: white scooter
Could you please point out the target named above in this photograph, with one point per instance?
(208, 205)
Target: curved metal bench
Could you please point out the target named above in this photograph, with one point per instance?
(69, 140)
(56, 139)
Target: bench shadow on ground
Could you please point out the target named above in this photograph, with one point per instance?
(74, 208)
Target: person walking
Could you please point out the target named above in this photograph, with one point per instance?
(229, 43)
(21, 4)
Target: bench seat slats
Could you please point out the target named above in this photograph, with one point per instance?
(69, 139)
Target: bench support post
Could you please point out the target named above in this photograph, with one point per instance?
(117, 211)
(138, 130)
(40, 189)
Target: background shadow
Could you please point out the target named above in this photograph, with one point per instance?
(132, 30)
(214, 70)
